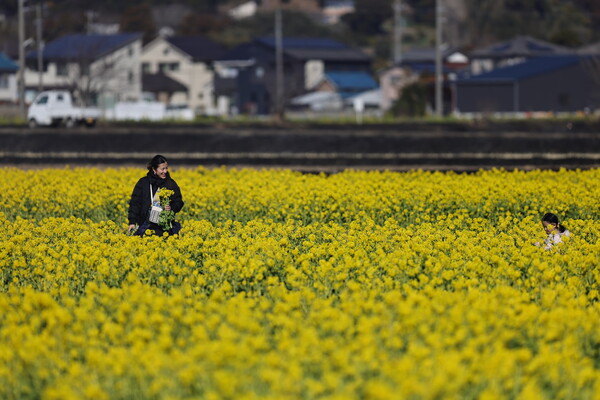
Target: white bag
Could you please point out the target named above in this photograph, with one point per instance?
(155, 210)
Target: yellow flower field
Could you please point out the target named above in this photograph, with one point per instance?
(282, 285)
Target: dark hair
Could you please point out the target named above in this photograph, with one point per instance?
(553, 219)
(156, 161)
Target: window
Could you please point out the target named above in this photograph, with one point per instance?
(60, 98)
(3, 81)
(395, 80)
(165, 67)
(61, 69)
(130, 51)
(130, 77)
(146, 68)
(42, 100)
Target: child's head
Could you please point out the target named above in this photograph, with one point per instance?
(550, 223)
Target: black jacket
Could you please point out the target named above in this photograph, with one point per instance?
(140, 203)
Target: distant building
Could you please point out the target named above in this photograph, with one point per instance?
(591, 49)
(8, 79)
(99, 69)
(415, 65)
(559, 83)
(346, 83)
(246, 75)
(336, 91)
(187, 61)
(511, 52)
(334, 10)
(243, 10)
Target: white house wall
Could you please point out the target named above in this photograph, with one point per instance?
(195, 76)
(119, 73)
(8, 87)
(117, 76)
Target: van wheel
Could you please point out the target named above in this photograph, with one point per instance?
(32, 123)
(91, 123)
(69, 123)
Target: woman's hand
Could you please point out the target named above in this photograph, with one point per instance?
(131, 227)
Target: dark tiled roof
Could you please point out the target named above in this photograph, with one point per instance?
(521, 46)
(316, 48)
(424, 55)
(300, 48)
(199, 47)
(81, 46)
(155, 83)
(304, 43)
(429, 68)
(7, 65)
(532, 67)
(244, 51)
(328, 55)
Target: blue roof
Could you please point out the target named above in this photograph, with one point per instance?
(304, 43)
(526, 69)
(351, 81)
(520, 46)
(76, 46)
(6, 64)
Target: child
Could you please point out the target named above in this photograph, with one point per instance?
(554, 229)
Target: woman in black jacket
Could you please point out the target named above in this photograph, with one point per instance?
(140, 203)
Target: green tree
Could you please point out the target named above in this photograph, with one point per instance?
(552, 20)
(412, 101)
(203, 24)
(368, 16)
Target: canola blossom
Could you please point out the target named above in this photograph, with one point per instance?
(282, 285)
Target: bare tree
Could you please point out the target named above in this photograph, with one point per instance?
(92, 73)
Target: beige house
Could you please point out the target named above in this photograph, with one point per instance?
(179, 71)
(99, 69)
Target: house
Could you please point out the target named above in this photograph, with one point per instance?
(558, 83)
(511, 52)
(243, 10)
(592, 49)
(416, 64)
(99, 69)
(8, 79)
(334, 10)
(246, 78)
(336, 91)
(185, 64)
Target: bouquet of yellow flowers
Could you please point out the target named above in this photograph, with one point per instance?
(166, 218)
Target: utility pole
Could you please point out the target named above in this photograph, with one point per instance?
(438, 59)
(278, 64)
(40, 47)
(397, 32)
(21, 76)
(90, 15)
